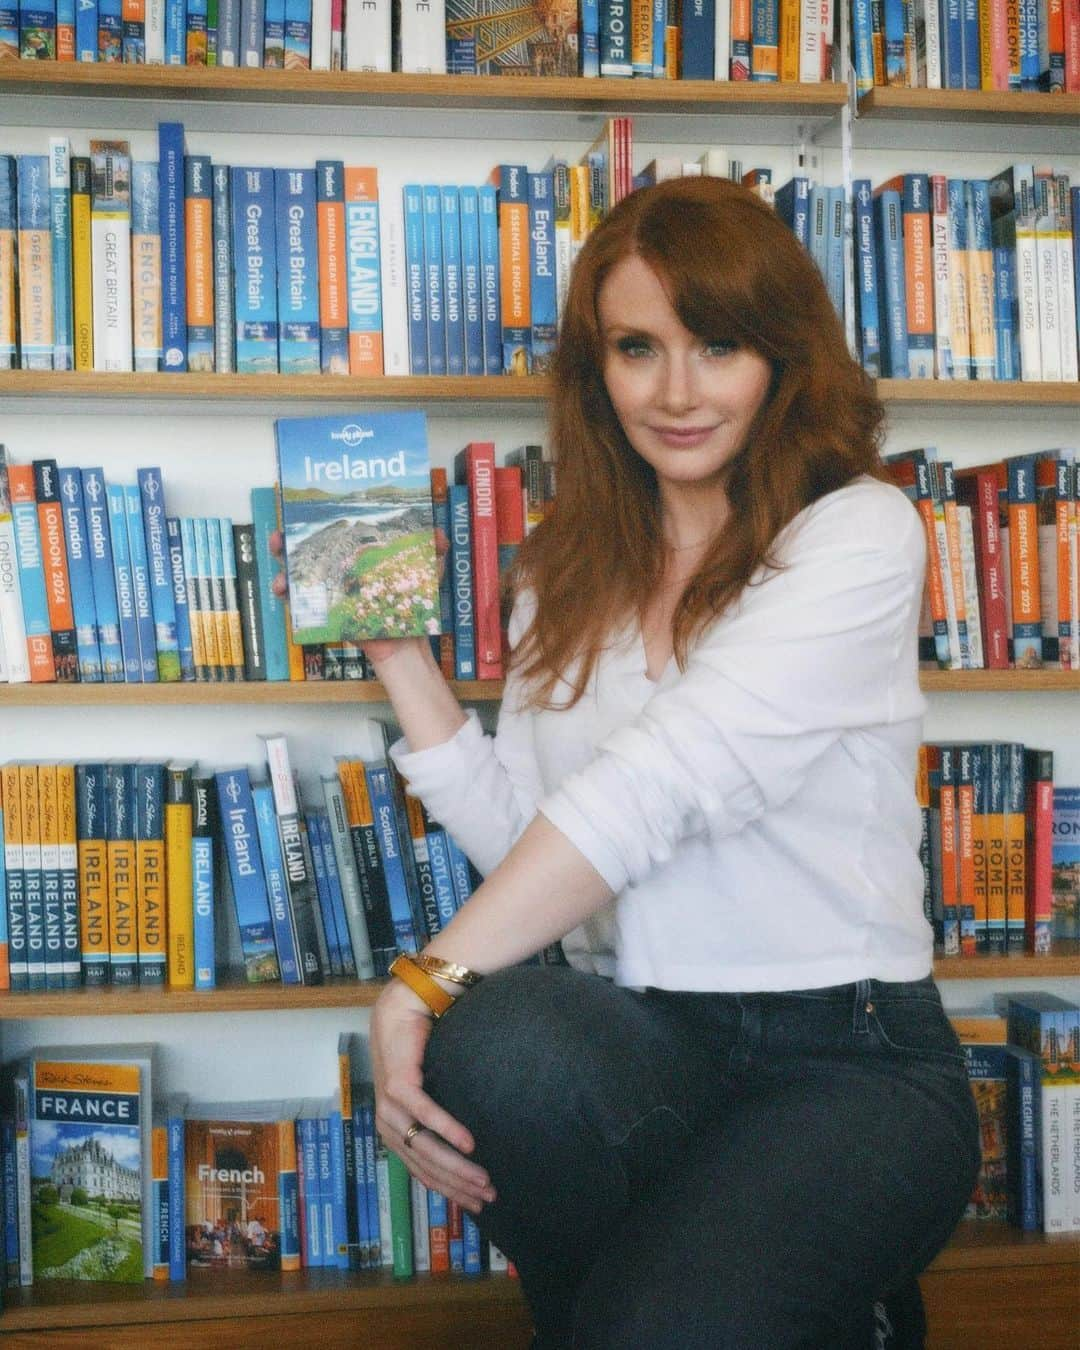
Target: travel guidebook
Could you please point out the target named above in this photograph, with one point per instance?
(357, 519)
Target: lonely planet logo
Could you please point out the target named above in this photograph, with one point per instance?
(352, 435)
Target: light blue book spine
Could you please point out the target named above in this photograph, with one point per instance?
(590, 38)
(473, 1246)
(80, 576)
(296, 230)
(277, 892)
(308, 1147)
(34, 209)
(459, 870)
(489, 279)
(952, 41)
(659, 35)
(146, 264)
(471, 293)
(889, 240)
(103, 575)
(895, 58)
(440, 875)
(175, 37)
(162, 603)
(415, 288)
(1029, 18)
(274, 34)
(542, 298)
(364, 253)
(1006, 316)
(452, 280)
(174, 1126)
(298, 34)
(60, 217)
(322, 893)
(866, 290)
(254, 270)
(340, 1250)
(173, 239)
(86, 30)
(337, 895)
(35, 603)
(382, 803)
(461, 569)
(434, 296)
(224, 304)
(330, 190)
(140, 585)
(615, 38)
(819, 231)
(125, 591)
(196, 604)
(206, 528)
(203, 886)
(178, 581)
(958, 248)
(836, 208)
(275, 641)
(862, 31)
(240, 836)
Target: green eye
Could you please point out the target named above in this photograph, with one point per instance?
(633, 346)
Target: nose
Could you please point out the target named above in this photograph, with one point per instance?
(678, 391)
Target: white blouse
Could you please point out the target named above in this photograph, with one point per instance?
(755, 814)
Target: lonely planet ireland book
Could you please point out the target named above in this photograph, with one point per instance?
(357, 520)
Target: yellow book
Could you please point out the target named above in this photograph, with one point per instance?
(49, 830)
(30, 809)
(122, 886)
(159, 1193)
(15, 975)
(579, 207)
(150, 872)
(93, 874)
(790, 38)
(179, 899)
(641, 19)
(69, 874)
(81, 254)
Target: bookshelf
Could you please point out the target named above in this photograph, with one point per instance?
(182, 416)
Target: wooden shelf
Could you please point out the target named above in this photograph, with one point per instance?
(981, 393)
(986, 1245)
(364, 88)
(206, 1295)
(273, 693)
(1064, 960)
(969, 105)
(238, 996)
(999, 681)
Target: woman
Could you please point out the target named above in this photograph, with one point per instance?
(740, 1117)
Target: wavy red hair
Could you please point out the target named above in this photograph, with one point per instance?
(734, 272)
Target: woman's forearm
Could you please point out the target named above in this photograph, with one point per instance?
(542, 890)
(424, 704)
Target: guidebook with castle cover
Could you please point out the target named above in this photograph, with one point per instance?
(357, 519)
(90, 1165)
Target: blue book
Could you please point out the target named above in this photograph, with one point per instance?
(239, 834)
(86, 30)
(615, 38)
(862, 41)
(1006, 315)
(765, 36)
(542, 298)
(895, 57)
(274, 34)
(415, 285)
(174, 335)
(442, 879)
(202, 880)
(37, 29)
(659, 37)
(461, 570)
(90, 823)
(339, 1248)
(298, 34)
(140, 584)
(308, 1158)
(390, 850)
(146, 265)
(321, 818)
(892, 293)
(162, 603)
(322, 893)
(490, 296)
(178, 580)
(969, 21)
(208, 543)
(150, 859)
(472, 1251)
(173, 1111)
(1023, 1155)
(224, 300)
(33, 893)
(363, 1227)
(1030, 47)
(698, 39)
(460, 870)
(275, 639)
(819, 228)
(452, 280)
(80, 576)
(434, 295)
(866, 278)
(793, 207)
(51, 916)
(590, 38)
(34, 214)
(254, 270)
(110, 30)
(296, 229)
(175, 32)
(330, 194)
(277, 891)
(252, 25)
(228, 33)
(836, 210)
(471, 290)
(952, 44)
(60, 219)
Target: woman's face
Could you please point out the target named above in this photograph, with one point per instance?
(685, 404)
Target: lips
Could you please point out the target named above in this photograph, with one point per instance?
(683, 435)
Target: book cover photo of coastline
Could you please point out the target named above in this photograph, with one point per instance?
(357, 520)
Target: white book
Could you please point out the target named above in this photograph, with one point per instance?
(691, 169)
(1049, 581)
(933, 44)
(1046, 272)
(722, 40)
(110, 236)
(368, 44)
(155, 32)
(942, 259)
(392, 265)
(421, 1230)
(971, 589)
(3, 662)
(941, 539)
(1056, 1137)
(422, 37)
(663, 167)
(352, 895)
(12, 628)
(714, 162)
(811, 59)
(382, 1185)
(1027, 273)
(1063, 235)
(826, 20)
(1072, 1107)
(497, 1262)
(320, 34)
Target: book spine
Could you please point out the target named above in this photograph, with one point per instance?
(239, 835)
(348, 876)
(49, 833)
(542, 283)
(14, 879)
(333, 963)
(450, 223)
(181, 606)
(1046, 263)
(35, 603)
(177, 1215)
(152, 496)
(362, 243)
(514, 254)
(171, 213)
(461, 567)
(12, 626)
(146, 265)
(866, 273)
(381, 793)
(393, 278)
(150, 884)
(222, 284)
(54, 563)
(140, 584)
(202, 880)
(35, 263)
(370, 871)
(159, 1199)
(1064, 227)
(254, 270)
(86, 31)
(9, 209)
(90, 811)
(71, 965)
(942, 264)
(233, 625)
(1006, 353)
(980, 278)
(1022, 1166)
(339, 1247)
(490, 286)
(60, 219)
(297, 875)
(434, 296)
(110, 232)
(471, 290)
(918, 255)
(33, 896)
(249, 602)
(698, 23)
(996, 849)
(960, 297)
(277, 891)
(79, 575)
(1015, 847)
(333, 267)
(1024, 563)
(965, 848)
(179, 897)
(475, 467)
(215, 573)
(103, 575)
(200, 609)
(888, 221)
(415, 272)
(120, 852)
(296, 232)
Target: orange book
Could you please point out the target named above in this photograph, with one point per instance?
(150, 886)
(333, 269)
(965, 849)
(13, 952)
(741, 35)
(996, 848)
(54, 560)
(980, 783)
(199, 245)
(159, 1190)
(1024, 563)
(979, 1028)
(950, 859)
(93, 874)
(641, 21)
(122, 885)
(361, 221)
(1015, 847)
(69, 874)
(33, 896)
(790, 39)
(49, 833)
(39, 645)
(514, 254)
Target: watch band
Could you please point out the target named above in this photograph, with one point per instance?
(422, 985)
(447, 970)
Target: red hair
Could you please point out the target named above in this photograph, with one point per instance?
(734, 272)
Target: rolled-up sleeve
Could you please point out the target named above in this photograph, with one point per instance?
(818, 647)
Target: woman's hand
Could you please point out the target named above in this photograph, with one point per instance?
(400, 1027)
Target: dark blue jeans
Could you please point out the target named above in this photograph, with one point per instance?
(713, 1171)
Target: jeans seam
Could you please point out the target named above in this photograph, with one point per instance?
(618, 1143)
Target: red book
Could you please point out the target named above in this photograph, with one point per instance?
(475, 467)
(1039, 841)
(510, 529)
(979, 489)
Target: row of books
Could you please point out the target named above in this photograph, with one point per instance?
(1003, 574)
(642, 39)
(1000, 45)
(1000, 849)
(106, 1177)
(968, 278)
(1023, 1060)
(152, 874)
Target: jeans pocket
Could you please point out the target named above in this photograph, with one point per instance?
(914, 1026)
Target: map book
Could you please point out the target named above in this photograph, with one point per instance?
(357, 519)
